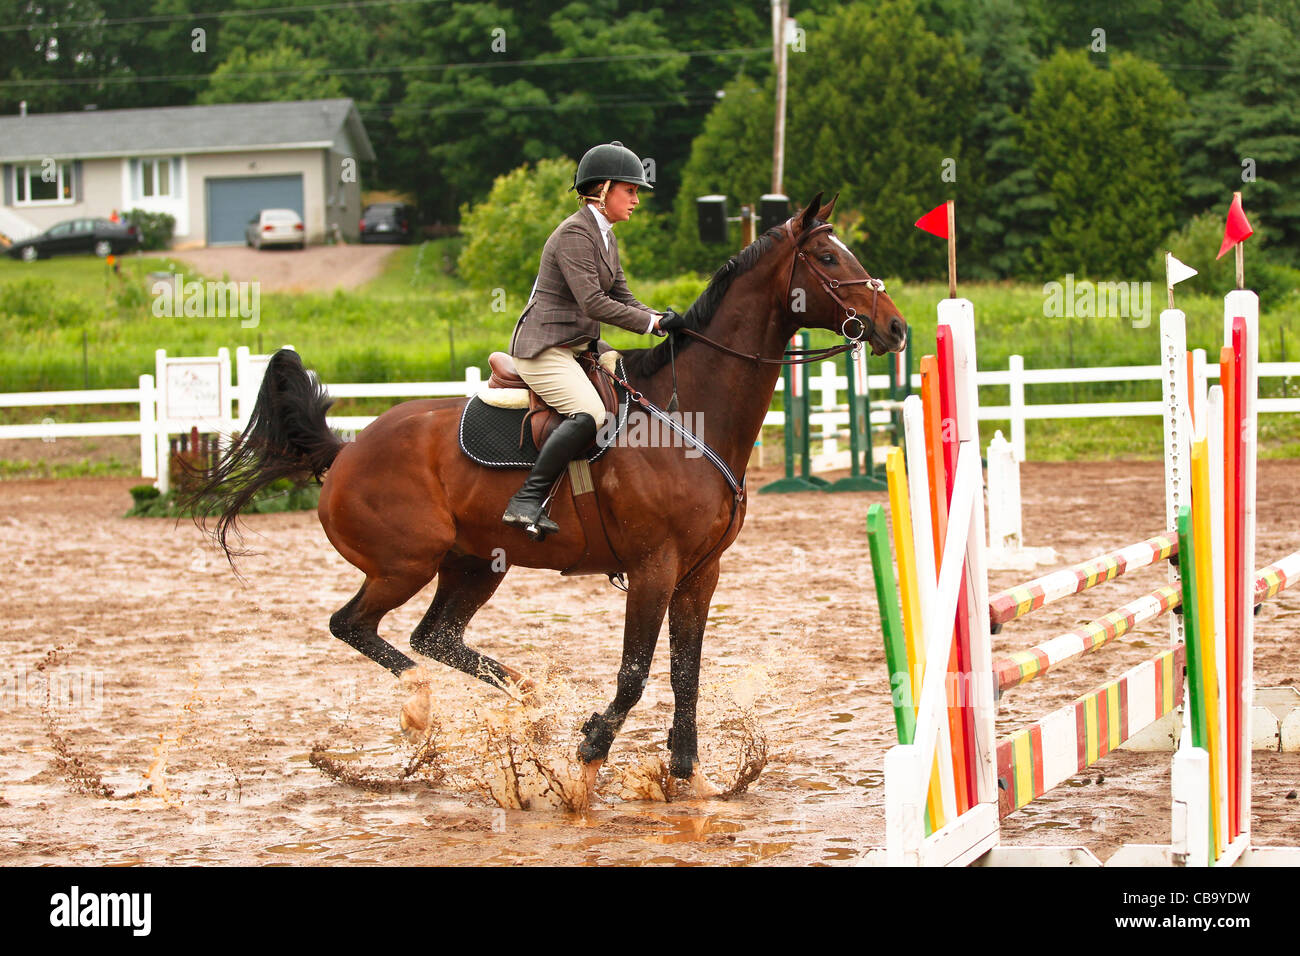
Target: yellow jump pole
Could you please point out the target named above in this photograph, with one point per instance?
(900, 509)
(1206, 639)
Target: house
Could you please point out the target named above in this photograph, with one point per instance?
(211, 167)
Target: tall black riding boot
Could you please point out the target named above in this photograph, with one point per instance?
(568, 440)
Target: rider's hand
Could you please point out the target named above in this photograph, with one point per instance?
(670, 320)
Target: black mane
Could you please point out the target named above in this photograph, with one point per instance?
(643, 363)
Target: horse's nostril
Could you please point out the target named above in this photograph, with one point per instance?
(897, 327)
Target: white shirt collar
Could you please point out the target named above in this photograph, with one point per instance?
(606, 227)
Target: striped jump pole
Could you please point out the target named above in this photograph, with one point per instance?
(1069, 740)
(1024, 666)
(1278, 576)
(1030, 664)
(1017, 601)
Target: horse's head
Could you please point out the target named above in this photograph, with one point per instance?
(829, 289)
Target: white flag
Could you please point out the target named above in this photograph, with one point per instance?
(1176, 271)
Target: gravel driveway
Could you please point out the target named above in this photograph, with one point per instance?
(316, 268)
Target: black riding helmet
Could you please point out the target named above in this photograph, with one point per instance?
(612, 161)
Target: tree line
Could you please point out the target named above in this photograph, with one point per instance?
(1075, 135)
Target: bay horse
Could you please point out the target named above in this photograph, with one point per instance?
(403, 503)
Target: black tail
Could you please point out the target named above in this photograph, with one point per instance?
(286, 437)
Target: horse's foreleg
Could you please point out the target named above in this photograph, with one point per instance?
(647, 602)
(465, 583)
(687, 616)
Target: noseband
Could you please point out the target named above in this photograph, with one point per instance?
(828, 283)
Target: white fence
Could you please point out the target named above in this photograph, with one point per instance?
(226, 401)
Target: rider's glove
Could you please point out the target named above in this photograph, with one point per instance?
(670, 320)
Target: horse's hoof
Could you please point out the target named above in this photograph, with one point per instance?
(418, 707)
(701, 787)
(587, 793)
(530, 695)
(523, 690)
(415, 717)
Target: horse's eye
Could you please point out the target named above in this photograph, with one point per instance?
(828, 259)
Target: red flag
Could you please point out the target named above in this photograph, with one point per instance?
(935, 221)
(1237, 228)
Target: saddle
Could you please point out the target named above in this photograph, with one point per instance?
(506, 389)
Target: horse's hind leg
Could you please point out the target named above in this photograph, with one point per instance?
(357, 624)
(465, 583)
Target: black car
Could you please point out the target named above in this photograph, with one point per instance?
(388, 222)
(99, 236)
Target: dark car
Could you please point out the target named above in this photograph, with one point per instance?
(99, 236)
(388, 222)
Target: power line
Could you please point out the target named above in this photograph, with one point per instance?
(215, 15)
(411, 67)
(691, 99)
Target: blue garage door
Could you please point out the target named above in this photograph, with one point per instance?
(233, 202)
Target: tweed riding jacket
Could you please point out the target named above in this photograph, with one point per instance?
(580, 284)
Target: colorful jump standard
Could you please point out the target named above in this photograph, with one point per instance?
(1211, 507)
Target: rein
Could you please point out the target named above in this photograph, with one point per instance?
(737, 487)
(789, 357)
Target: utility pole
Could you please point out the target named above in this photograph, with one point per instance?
(780, 10)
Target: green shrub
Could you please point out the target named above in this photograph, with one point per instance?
(142, 493)
(156, 228)
(505, 233)
(282, 495)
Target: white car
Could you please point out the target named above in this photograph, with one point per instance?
(275, 227)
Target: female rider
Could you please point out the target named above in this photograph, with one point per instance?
(579, 285)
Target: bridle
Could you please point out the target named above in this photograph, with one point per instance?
(791, 357)
(830, 285)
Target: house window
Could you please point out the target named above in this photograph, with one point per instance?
(156, 178)
(46, 183)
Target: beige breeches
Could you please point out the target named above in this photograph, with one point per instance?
(556, 377)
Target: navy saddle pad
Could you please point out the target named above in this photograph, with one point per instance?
(490, 435)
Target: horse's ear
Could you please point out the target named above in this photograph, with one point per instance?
(824, 214)
(809, 214)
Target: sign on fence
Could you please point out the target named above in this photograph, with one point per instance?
(194, 389)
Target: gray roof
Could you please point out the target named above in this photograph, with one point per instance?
(176, 130)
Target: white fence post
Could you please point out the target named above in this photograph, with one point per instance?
(243, 385)
(148, 453)
(1007, 549)
(473, 380)
(1017, 367)
(227, 420)
(1005, 529)
(163, 480)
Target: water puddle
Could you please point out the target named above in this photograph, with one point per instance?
(694, 829)
(298, 848)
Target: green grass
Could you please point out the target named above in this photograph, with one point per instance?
(112, 467)
(418, 322)
(417, 270)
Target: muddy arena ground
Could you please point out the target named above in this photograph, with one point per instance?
(157, 710)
